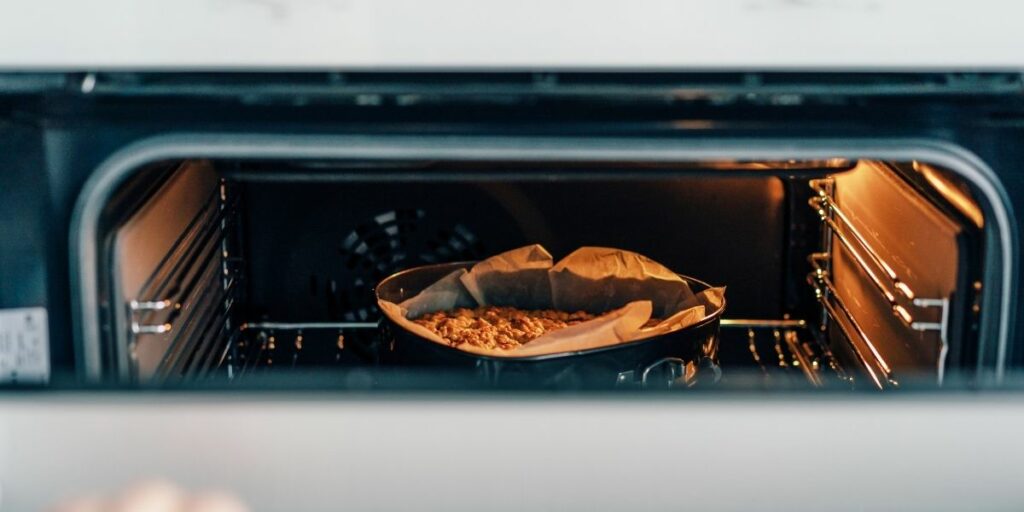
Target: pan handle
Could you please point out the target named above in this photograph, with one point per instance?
(680, 373)
(676, 371)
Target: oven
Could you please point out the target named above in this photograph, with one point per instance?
(843, 270)
(852, 259)
(224, 233)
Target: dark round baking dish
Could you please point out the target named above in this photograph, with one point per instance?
(685, 356)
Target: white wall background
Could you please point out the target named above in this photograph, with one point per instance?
(787, 34)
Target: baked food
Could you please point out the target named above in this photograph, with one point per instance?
(498, 327)
(501, 327)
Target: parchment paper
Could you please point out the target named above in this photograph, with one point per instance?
(625, 288)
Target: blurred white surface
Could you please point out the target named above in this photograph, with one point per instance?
(523, 34)
(153, 496)
(830, 452)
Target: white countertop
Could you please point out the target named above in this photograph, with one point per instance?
(472, 453)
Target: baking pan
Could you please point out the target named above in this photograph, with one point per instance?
(685, 357)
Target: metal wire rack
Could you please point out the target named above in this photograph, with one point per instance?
(190, 298)
(902, 300)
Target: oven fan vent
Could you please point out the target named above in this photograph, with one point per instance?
(392, 241)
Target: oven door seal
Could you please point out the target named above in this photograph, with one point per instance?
(1000, 276)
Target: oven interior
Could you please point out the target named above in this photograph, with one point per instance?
(843, 274)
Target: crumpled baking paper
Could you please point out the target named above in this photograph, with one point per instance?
(627, 289)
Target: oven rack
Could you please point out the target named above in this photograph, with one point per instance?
(838, 314)
(263, 346)
(781, 349)
(793, 351)
(191, 295)
(837, 225)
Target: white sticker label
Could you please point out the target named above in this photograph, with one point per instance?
(24, 346)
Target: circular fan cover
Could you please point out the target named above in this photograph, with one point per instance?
(390, 242)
